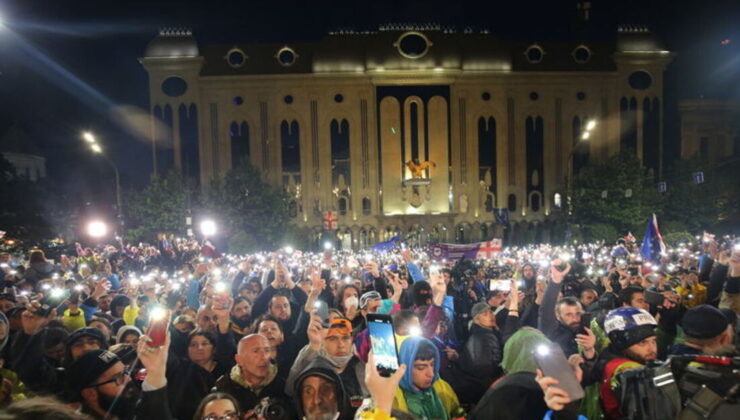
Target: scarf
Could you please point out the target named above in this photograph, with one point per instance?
(425, 405)
(236, 376)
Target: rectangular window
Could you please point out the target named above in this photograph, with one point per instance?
(704, 148)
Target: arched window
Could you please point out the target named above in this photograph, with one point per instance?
(340, 163)
(512, 202)
(534, 202)
(342, 204)
(366, 207)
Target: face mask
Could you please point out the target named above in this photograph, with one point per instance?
(351, 301)
(338, 362)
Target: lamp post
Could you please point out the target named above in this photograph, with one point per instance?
(585, 136)
(97, 149)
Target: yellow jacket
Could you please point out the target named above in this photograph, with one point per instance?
(375, 414)
(694, 295)
(130, 314)
(444, 391)
(73, 322)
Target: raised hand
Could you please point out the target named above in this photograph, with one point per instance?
(154, 360)
(382, 390)
(316, 333)
(587, 342)
(32, 321)
(556, 275)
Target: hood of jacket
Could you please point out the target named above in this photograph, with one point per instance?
(407, 355)
(421, 291)
(518, 351)
(321, 367)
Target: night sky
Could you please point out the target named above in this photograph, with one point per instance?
(49, 43)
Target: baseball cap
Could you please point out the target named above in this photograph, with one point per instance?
(339, 326)
(478, 308)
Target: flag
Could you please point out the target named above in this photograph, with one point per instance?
(501, 216)
(387, 245)
(209, 250)
(488, 249)
(452, 251)
(652, 245)
(330, 220)
(630, 237)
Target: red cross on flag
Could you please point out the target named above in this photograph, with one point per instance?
(331, 221)
(489, 248)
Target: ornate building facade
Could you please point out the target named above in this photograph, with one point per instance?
(409, 129)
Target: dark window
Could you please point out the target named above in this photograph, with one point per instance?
(238, 100)
(640, 80)
(338, 98)
(174, 86)
(486, 96)
(286, 57)
(580, 96)
(239, 134)
(581, 54)
(236, 58)
(704, 148)
(293, 209)
(535, 202)
(291, 146)
(512, 202)
(487, 147)
(366, 207)
(534, 54)
(288, 99)
(343, 206)
(413, 45)
(340, 165)
(534, 96)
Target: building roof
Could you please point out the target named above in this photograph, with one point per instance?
(172, 43)
(17, 140)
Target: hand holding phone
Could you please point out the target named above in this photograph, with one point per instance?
(552, 362)
(159, 322)
(383, 343)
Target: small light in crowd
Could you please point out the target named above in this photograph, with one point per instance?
(208, 227)
(157, 313)
(220, 287)
(97, 229)
(176, 286)
(46, 286)
(414, 331)
(543, 350)
(328, 245)
(57, 293)
(736, 247)
(78, 287)
(217, 272)
(288, 249)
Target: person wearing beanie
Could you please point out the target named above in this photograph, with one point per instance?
(633, 343)
(481, 355)
(706, 330)
(128, 334)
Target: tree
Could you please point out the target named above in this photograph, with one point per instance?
(252, 211)
(160, 207)
(619, 176)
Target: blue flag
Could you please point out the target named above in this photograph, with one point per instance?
(387, 245)
(652, 245)
(453, 251)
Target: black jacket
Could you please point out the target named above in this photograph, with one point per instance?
(190, 383)
(479, 362)
(320, 367)
(246, 397)
(550, 326)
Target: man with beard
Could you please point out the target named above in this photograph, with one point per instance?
(98, 385)
(565, 327)
(241, 317)
(322, 395)
(633, 343)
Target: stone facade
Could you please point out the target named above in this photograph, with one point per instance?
(336, 122)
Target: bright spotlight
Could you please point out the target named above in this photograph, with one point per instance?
(88, 136)
(97, 229)
(585, 135)
(591, 124)
(328, 245)
(96, 148)
(542, 350)
(208, 227)
(288, 249)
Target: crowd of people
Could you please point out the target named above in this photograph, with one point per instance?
(176, 330)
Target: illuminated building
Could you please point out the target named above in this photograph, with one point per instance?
(337, 120)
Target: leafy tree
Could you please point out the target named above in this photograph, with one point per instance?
(619, 175)
(160, 207)
(251, 211)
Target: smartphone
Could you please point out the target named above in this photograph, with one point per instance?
(502, 285)
(159, 322)
(654, 298)
(552, 362)
(322, 311)
(633, 271)
(383, 343)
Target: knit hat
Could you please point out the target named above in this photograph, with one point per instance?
(703, 321)
(86, 370)
(367, 297)
(126, 329)
(87, 332)
(478, 308)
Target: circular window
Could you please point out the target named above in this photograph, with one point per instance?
(534, 54)
(640, 80)
(236, 57)
(338, 98)
(581, 54)
(238, 100)
(534, 96)
(580, 96)
(486, 96)
(174, 86)
(286, 56)
(288, 99)
(413, 45)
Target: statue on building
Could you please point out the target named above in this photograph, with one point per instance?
(417, 168)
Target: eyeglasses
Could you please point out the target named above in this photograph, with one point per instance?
(119, 379)
(228, 416)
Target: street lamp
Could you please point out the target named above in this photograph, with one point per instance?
(208, 228)
(590, 125)
(97, 229)
(97, 149)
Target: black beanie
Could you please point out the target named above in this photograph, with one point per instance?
(86, 370)
(703, 321)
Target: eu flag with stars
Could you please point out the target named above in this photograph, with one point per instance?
(652, 245)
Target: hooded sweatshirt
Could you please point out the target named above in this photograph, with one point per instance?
(321, 367)
(438, 401)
